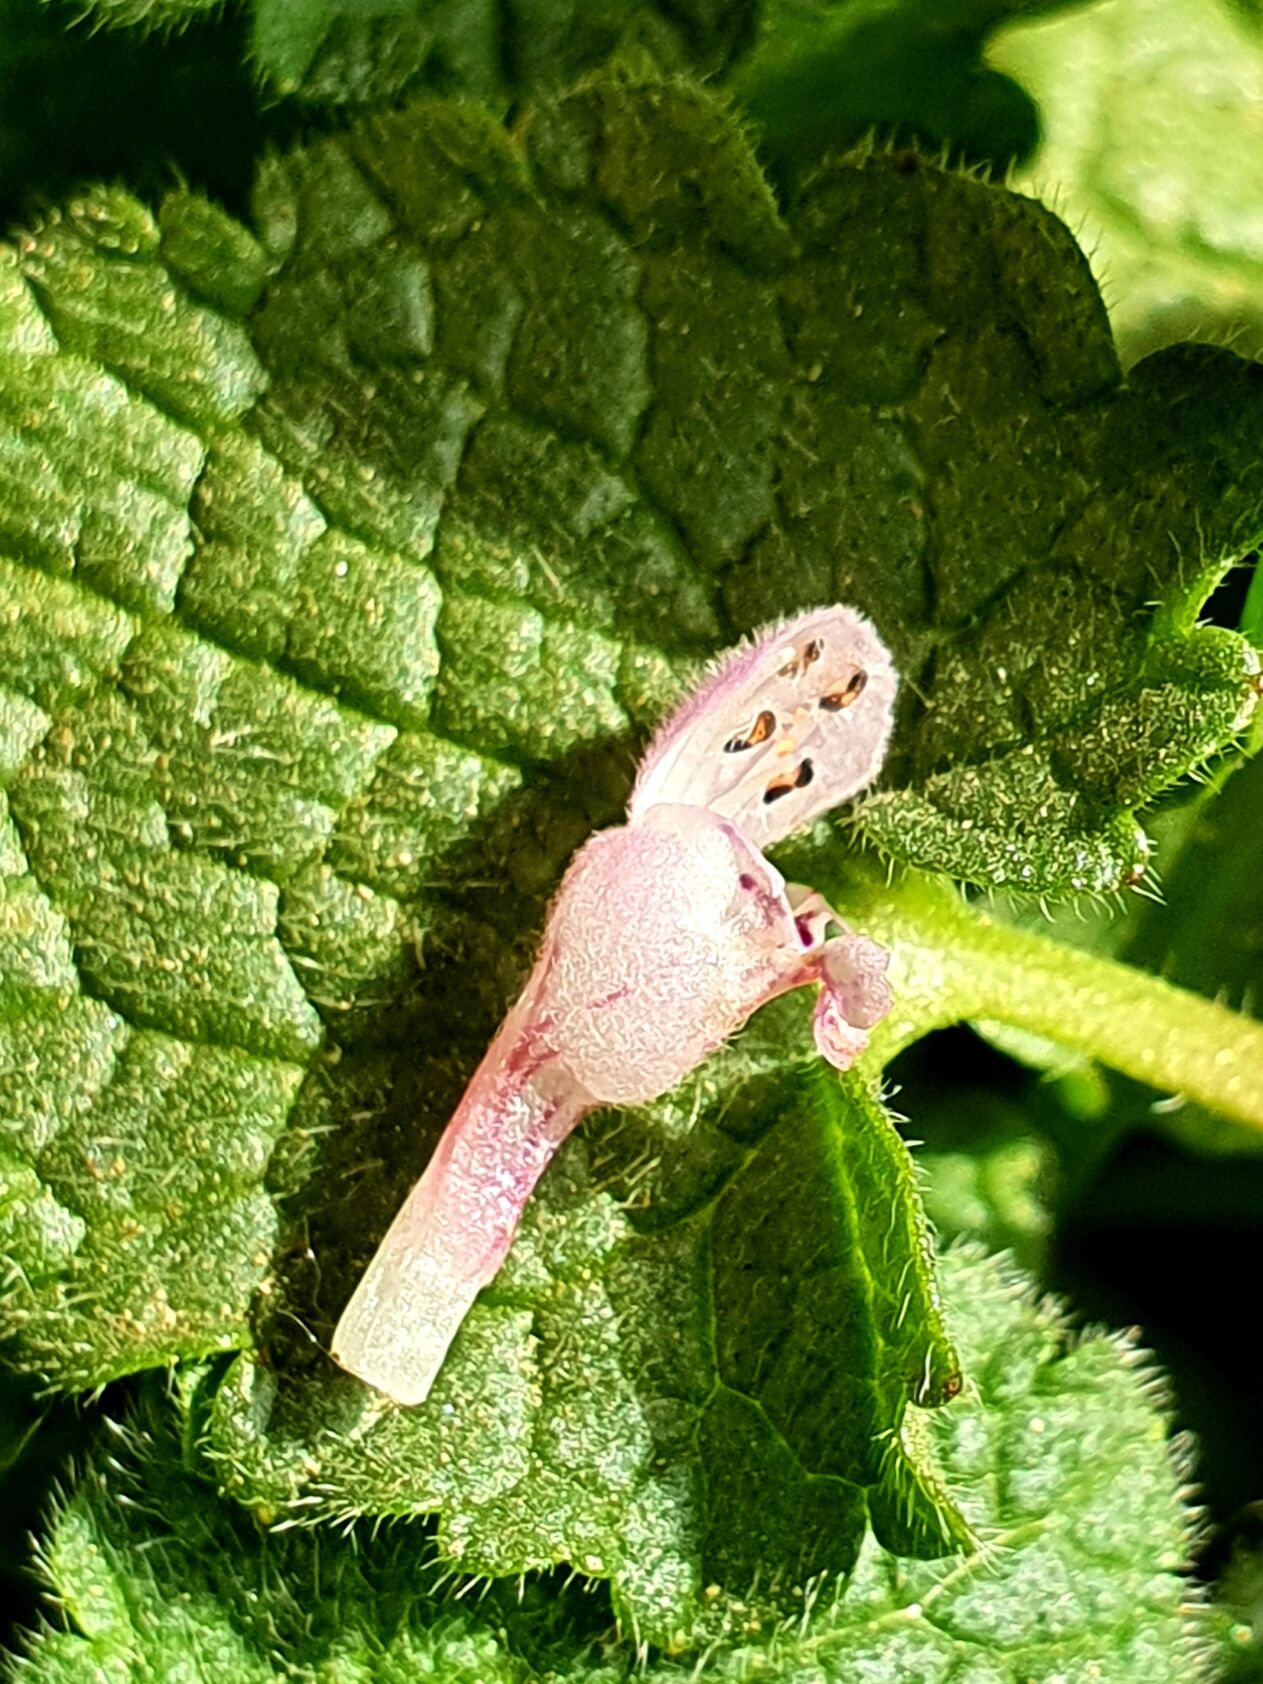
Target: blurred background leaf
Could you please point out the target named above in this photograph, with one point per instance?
(1152, 149)
(822, 73)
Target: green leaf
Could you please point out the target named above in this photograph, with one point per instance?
(1080, 1575)
(1144, 105)
(821, 73)
(815, 75)
(370, 52)
(1052, 709)
(343, 563)
(984, 1174)
(734, 1323)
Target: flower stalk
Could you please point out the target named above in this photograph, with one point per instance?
(952, 961)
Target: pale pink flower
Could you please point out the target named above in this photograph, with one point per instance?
(665, 935)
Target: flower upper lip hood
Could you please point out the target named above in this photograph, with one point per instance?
(818, 690)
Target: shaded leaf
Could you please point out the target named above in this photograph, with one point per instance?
(370, 52)
(821, 73)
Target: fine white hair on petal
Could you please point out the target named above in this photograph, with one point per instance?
(457, 1224)
(787, 727)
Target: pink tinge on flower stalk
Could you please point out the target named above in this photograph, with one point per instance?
(666, 934)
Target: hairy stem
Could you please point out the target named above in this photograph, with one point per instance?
(952, 961)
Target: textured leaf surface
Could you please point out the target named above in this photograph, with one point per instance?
(368, 52)
(1144, 106)
(740, 1317)
(342, 564)
(1059, 1445)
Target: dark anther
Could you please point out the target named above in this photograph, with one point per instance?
(804, 772)
(759, 732)
(850, 692)
(810, 652)
(746, 882)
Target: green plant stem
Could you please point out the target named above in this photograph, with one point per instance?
(952, 961)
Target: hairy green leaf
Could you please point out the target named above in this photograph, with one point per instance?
(823, 72)
(368, 52)
(729, 1311)
(1059, 1445)
(1144, 106)
(343, 563)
